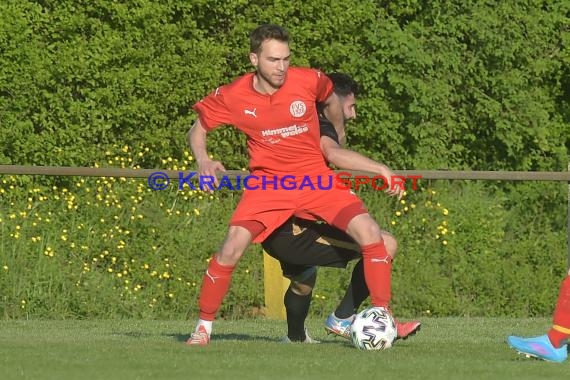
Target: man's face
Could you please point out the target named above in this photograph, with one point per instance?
(340, 110)
(348, 107)
(272, 62)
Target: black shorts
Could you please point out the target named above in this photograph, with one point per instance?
(301, 244)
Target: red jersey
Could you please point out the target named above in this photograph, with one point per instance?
(282, 128)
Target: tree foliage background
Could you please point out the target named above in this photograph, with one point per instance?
(449, 84)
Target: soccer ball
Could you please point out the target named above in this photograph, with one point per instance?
(373, 329)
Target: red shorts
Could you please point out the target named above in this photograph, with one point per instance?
(272, 207)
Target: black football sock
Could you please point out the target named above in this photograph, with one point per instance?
(356, 293)
(297, 308)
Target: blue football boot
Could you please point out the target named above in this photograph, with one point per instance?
(539, 347)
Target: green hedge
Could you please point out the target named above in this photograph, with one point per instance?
(448, 84)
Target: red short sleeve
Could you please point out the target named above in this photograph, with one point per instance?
(213, 111)
(324, 86)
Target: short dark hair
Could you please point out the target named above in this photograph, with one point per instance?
(266, 32)
(344, 85)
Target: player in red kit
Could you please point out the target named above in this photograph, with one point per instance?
(553, 346)
(275, 106)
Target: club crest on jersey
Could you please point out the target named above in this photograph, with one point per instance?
(298, 108)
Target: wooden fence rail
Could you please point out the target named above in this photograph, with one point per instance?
(174, 174)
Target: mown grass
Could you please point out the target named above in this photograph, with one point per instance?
(445, 348)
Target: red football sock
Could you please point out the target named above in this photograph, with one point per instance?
(561, 321)
(215, 285)
(378, 273)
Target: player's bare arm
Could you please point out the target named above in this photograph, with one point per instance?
(197, 142)
(349, 160)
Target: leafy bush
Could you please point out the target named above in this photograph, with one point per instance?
(108, 246)
(112, 247)
(461, 252)
(448, 85)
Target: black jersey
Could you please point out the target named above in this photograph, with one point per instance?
(327, 129)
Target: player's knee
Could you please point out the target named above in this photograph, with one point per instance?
(364, 229)
(300, 288)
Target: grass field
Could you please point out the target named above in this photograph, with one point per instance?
(445, 348)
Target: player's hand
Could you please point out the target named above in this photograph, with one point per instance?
(208, 169)
(394, 187)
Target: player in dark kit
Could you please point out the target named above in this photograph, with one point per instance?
(301, 245)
